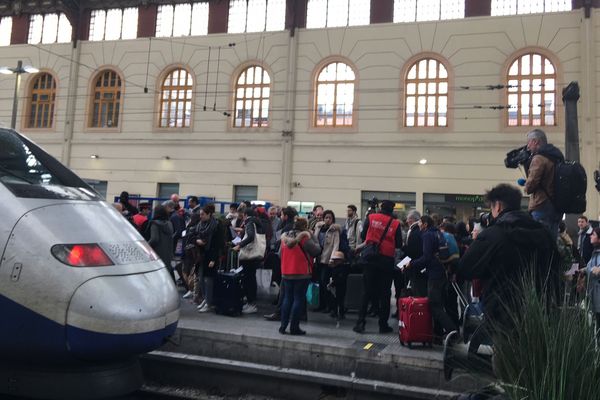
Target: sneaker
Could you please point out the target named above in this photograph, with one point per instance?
(205, 308)
(201, 305)
(188, 295)
(249, 309)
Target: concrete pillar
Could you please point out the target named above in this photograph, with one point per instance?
(20, 29)
(587, 112)
(218, 16)
(419, 202)
(287, 135)
(147, 20)
(382, 11)
(71, 104)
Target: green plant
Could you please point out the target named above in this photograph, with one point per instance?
(549, 353)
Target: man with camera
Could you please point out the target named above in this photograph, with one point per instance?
(381, 235)
(540, 180)
(513, 244)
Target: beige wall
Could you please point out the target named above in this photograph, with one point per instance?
(329, 167)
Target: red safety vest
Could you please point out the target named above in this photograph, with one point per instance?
(377, 224)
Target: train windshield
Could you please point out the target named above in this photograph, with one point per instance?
(28, 171)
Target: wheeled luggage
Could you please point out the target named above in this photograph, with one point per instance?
(228, 294)
(354, 292)
(415, 324)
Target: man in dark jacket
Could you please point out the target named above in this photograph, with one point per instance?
(414, 249)
(513, 245)
(540, 180)
(584, 245)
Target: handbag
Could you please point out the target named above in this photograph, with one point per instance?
(312, 294)
(371, 250)
(256, 249)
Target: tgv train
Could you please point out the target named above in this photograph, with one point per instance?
(81, 292)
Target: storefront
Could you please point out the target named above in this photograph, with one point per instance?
(404, 201)
(460, 206)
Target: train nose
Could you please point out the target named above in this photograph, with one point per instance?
(118, 316)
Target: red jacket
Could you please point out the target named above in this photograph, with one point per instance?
(294, 258)
(377, 224)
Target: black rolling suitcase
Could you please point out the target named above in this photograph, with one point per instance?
(354, 292)
(228, 294)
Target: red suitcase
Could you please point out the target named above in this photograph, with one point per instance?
(415, 323)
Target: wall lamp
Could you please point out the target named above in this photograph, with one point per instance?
(94, 156)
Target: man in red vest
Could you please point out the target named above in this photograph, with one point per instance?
(378, 274)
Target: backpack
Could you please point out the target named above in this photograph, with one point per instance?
(443, 252)
(344, 246)
(570, 184)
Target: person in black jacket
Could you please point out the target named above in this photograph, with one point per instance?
(437, 282)
(210, 243)
(414, 249)
(502, 253)
(252, 226)
(584, 245)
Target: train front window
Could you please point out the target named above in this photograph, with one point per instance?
(28, 171)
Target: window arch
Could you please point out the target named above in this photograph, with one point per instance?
(426, 94)
(176, 99)
(106, 100)
(531, 91)
(334, 95)
(41, 101)
(252, 93)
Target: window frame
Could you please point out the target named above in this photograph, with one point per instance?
(312, 126)
(234, 85)
(3, 20)
(106, 10)
(450, 95)
(90, 103)
(544, 11)
(503, 95)
(245, 31)
(174, 5)
(159, 91)
(26, 103)
(44, 15)
(327, 22)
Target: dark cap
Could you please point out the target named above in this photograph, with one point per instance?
(388, 206)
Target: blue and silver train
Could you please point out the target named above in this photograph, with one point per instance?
(81, 292)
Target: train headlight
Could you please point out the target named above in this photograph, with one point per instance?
(81, 255)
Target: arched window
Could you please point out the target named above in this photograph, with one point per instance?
(531, 91)
(176, 99)
(252, 98)
(335, 95)
(42, 95)
(107, 100)
(426, 94)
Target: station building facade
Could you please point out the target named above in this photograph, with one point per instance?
(413, 101)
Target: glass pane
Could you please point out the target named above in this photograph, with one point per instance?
(405, 10)
(412, 73)
(422, 69)
(525, 85)
(257, 16)
(182, 20)
(536, 85)
(35, 29)
(549, 84)
(513, 85)
(548, 67)
(316, 14)
(237, 16)
(514, 69)
(428, 10)
(200, 19)
(50, 30)
(432, 70)
(431, 88)
(422, 88)
(536, 67)
(113, 24)
(275, 15)
(443, 87)
(443, 71)
(164, 21)
(258, 75)
(97, 22)
(525, 65)
(130, 23)
(64, 29)
(359, 13)
(337, 13)
(411, 88)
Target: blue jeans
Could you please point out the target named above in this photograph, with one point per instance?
(547, 216)
(294, 301)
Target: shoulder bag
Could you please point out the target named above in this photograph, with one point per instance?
(256, 249)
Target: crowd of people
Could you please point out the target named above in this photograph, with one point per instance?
(480, 257)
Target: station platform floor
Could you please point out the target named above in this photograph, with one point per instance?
(330, 351)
